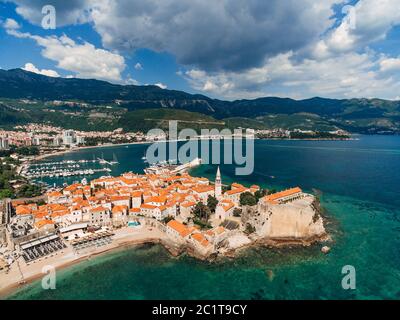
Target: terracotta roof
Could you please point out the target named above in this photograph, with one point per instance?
(136, 194)
(119, 209)
(119, 198)
(237, 185)
(23, 210)
(200, 239)
(98, 209)
(148, 206)
(228, 206)
(272, 198)
(188, 204)
(202, 189)
(43, 223)
(55, 194)
(60, 213)
(179, 227)
(235, 191)
(157, 199)
(16, 203)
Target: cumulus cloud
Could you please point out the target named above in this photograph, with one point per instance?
(131, 81)
(208, 34)
(11, 24)
(348, 75)
(31, 67)
(390, 64)
(138, 66)
(84, 59)
(212, 35)
(366, 22)
(161, 85)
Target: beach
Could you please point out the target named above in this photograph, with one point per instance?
(60, 153)
(124, 237)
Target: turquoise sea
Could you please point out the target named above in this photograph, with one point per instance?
(359, 184)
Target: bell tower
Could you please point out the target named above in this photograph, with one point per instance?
(218, 185)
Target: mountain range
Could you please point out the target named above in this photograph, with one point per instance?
(87, 104)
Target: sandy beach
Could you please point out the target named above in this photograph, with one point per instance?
(59, 153)
(125, 237)
(48, 155)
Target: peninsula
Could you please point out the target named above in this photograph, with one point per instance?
(185, 214)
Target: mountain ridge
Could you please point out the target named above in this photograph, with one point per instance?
(356, 115)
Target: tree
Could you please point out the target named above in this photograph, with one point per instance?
(201, 212)
(250, 229)
(260, 194)
(237, 212)
(28, 151)
(28, 191)
(247, 199)
(6, 193)
(168, 219)
(272, 191)
(212, 203)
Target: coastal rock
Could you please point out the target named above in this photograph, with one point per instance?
(297, 220)
(325, 249)
(237, 241)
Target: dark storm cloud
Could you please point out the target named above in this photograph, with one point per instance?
(211, 35)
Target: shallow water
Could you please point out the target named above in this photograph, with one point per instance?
(359, 182)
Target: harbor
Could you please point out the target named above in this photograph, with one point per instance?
(67, 168)
(168, 166)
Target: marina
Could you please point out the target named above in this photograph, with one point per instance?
(66, 168)
(57, 173)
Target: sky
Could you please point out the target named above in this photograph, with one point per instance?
(227, 49)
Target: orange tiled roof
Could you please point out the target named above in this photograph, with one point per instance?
(118, 209)
(188, 204)
(98, 209)
(23, 210)
(202, 189)
(119, 198)
(228, 206)
(60, 213)
(235, 191)
(16, 203)
(43, 223)
(276, 196)
(237, 185)
(179, 227)
(148, 206)
(136, 194)
(55, 194)
(157, 199)
(200, 239)
(41, 214)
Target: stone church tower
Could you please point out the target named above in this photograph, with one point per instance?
(218, 185)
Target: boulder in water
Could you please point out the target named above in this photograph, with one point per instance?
(325, 249)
